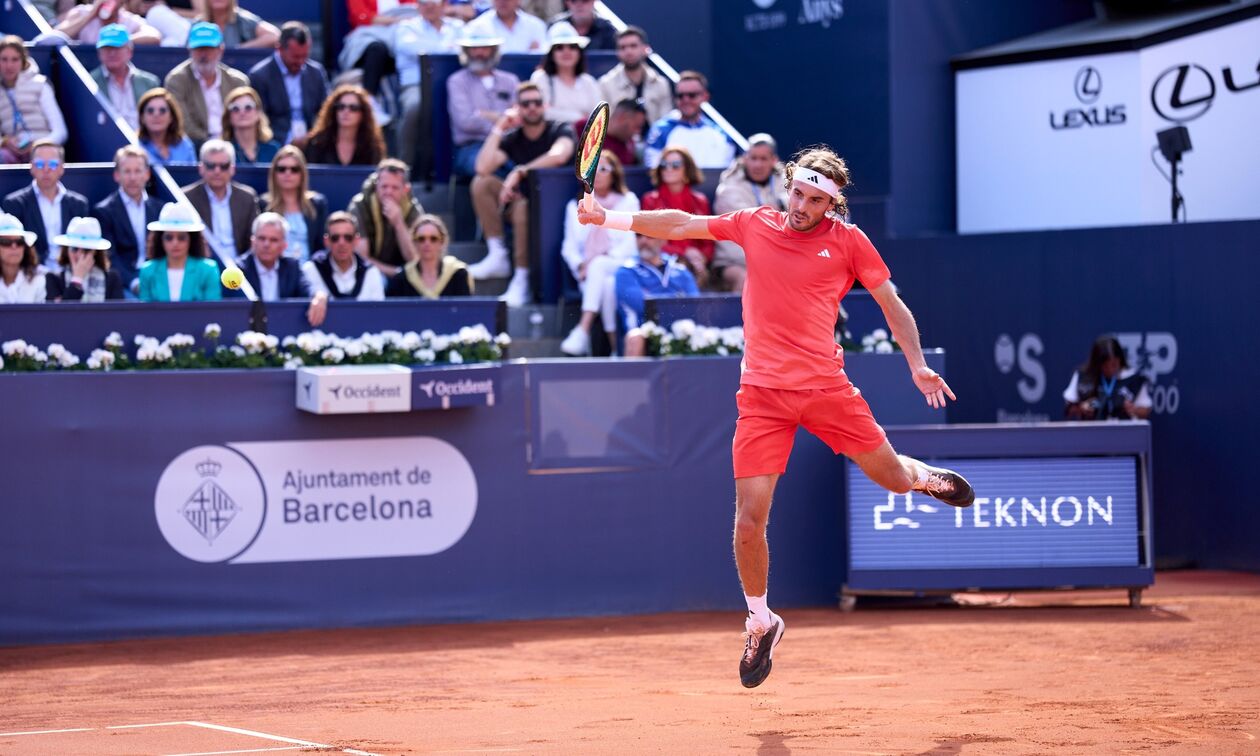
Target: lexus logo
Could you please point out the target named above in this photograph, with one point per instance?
(1088, 84)
(1183, 93)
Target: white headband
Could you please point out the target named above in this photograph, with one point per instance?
(816, 180)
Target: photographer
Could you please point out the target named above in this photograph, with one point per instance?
(1105, 388)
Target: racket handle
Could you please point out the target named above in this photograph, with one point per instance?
(589, 201)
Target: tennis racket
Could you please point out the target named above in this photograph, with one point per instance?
(590, 146)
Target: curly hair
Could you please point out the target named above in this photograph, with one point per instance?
(324, 134)
(823, 159)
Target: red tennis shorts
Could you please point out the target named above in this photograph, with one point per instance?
(768, 419)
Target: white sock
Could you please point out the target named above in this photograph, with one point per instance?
(758, 609)
(495, 247)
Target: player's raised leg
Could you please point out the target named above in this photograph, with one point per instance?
(899, 474)
(763, 628)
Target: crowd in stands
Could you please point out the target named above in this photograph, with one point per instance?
(286, 113)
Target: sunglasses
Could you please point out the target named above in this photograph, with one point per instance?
(12, 242)
(174, 236)
(288, 169)
(156, 110)
(246, 107)
(671, 164)
(340, 237)
(689, 95)
(51, 165)
(531, 103)
(429, 239)
(353, 107)
(225, 165)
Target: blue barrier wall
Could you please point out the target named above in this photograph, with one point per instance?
(81, 327)
(1018, 312)
(600, 488)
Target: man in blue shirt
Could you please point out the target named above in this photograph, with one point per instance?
(653, 274)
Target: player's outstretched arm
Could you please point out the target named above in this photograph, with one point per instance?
(661, 224)
(906, 333)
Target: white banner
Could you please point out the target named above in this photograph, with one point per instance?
(1071, 143)
(284, 501)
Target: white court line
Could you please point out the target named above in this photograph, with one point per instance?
(44, 732)
(208, 726)
(243, 750)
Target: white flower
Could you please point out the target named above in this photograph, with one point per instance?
(440, 343)
(293, 363)
(68, 360)
(271, 342)
(456, 358)
(333, 354)
(17, 347)
(503, 340)
(879, 334)
(39, 356)
(32, 351)
(723, 351)
(884, 347)
(139, 339)
(868, 341)
(56, 351)
(179, 341)
(308, 342)
(427, 335)
(409, 342)
(425, 355)
(288, 341)
(113, 340)
(355, 348)
(238, 350)
(100, 359)
(92, 364)
(1, 363)
(682, 329)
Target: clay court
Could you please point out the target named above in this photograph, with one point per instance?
(1029, 673)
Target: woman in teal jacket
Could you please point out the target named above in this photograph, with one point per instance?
(178, 268)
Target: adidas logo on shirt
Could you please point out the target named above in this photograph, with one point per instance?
(824, 253)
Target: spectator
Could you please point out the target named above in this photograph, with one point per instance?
(85, 275)
(594, 253)
(162, 129)
(84, 23)
(653, 274)
(543, 9)
(433, 274)
(291, 85)
(1105, 388)
(520, 32)
(368, 46)
(227, 208)
(239, 27)
(172, 26)
(177, 269)
(246, 127)
(275, 276)
(755, 180)
(46, 206)
(675, 179)
(22, 279)
(581, 14)
(625, 128)
(689, 127)
(568, 90)
(289, 194)
(477, 95)
(28, 110)
(345, 130)
(122, 83)
(429, 33)
(125, 214)
(385, 210)
(338, 270)
(526, 138)
(633, 79)
(201, 84)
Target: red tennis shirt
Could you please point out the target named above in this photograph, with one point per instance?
(792, 295)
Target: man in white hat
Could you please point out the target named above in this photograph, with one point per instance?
(477, 95)
(85, 275)
(520, 32)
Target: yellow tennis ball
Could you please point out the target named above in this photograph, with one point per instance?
(232, 278)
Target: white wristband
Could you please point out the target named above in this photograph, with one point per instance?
(617, 220)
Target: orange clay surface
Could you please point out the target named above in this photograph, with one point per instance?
(1077, 673)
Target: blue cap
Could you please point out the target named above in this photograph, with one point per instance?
(114, 35)
(204, 34)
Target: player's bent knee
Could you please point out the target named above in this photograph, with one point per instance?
(749, 528)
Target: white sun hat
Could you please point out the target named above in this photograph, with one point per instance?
(178, 216)
(564, 33)
(82, 233)
(11, 226)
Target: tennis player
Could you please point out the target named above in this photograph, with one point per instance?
(800, 264)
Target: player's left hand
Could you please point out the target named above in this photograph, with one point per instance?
(933, 386)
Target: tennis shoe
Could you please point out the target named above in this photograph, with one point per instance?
(947, 486)
(577, 343)
(759, 645)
